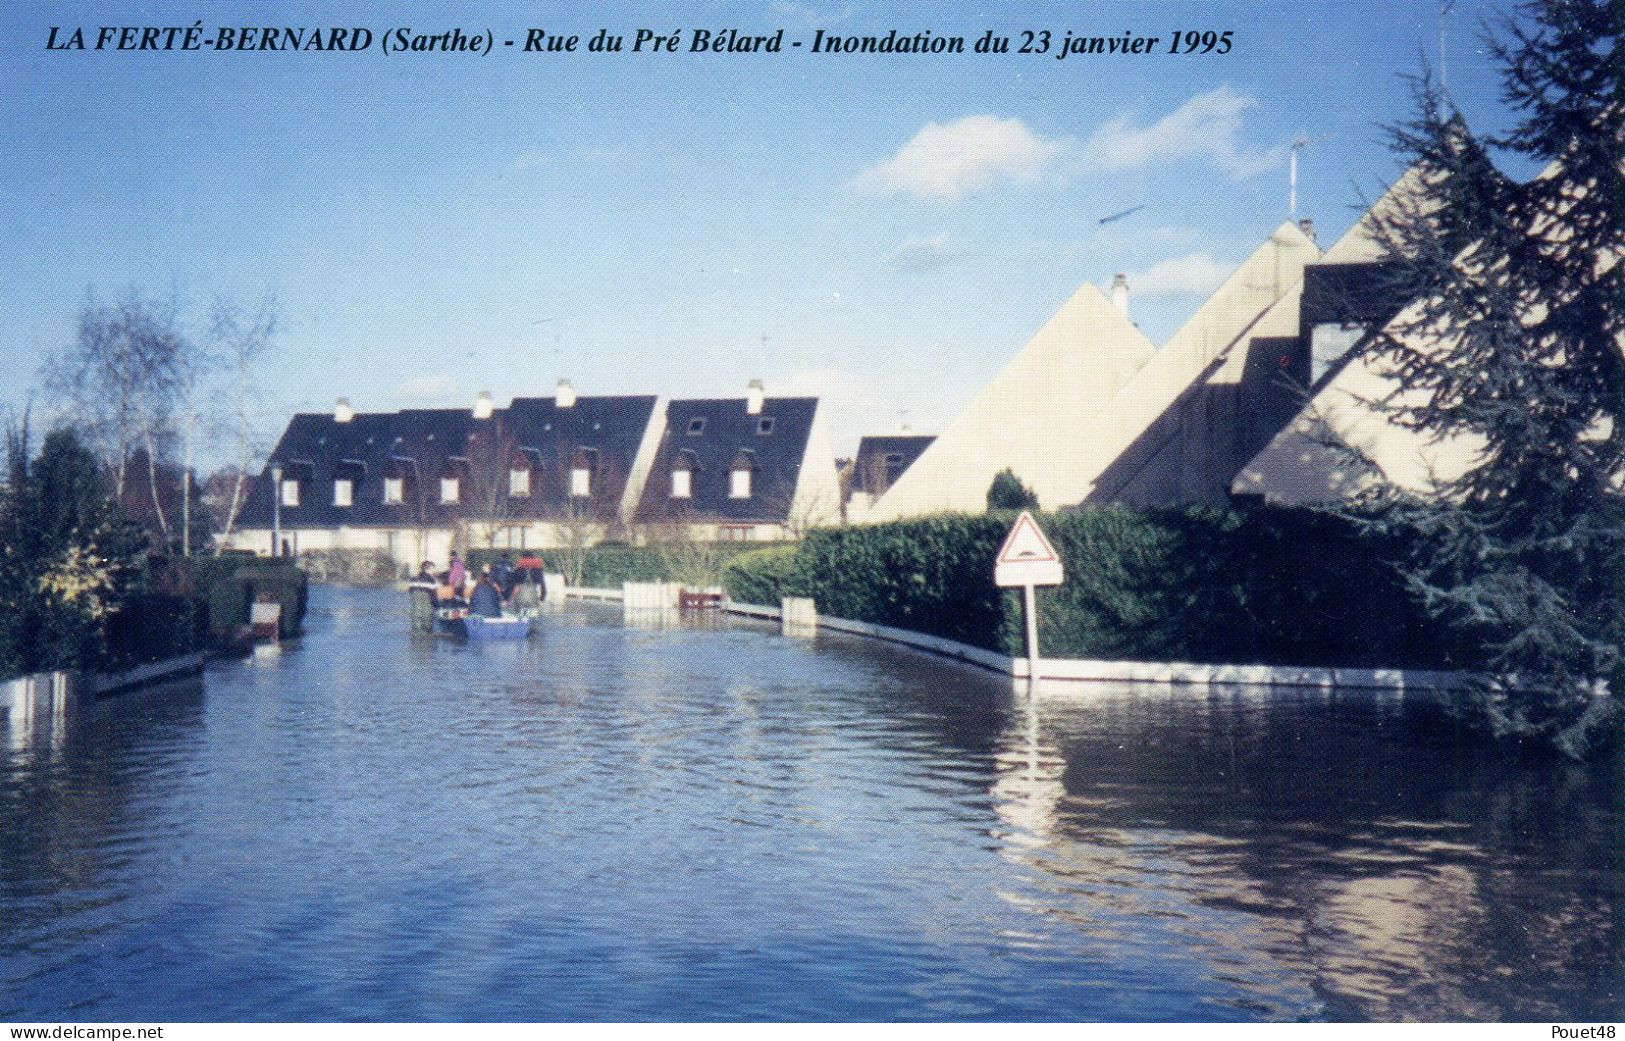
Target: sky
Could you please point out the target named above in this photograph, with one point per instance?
(882, 230)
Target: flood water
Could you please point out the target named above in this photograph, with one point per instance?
(714, 821)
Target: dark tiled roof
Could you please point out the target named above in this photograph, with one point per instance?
(723, 434)
(423, 445)
(881, 460)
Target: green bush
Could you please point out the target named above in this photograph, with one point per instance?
(763, 576)
(154, 626)
(365, 567)
(282, 583)
(609, 564)
(229, 583)
(1008, 494)
(1257, 586)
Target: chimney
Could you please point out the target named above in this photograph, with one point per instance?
(342, 412)
(754, 395)
(565, 395)
(483, 405)
(1307, 226)
(1120, 293)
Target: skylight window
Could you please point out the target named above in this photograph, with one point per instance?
(764, 425)
(696, 426)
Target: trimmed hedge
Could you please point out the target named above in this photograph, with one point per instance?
(1256, 586)
(609, 564)
(229, 583)
(153, 626)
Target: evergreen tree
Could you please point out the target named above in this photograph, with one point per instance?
(65, 556)
(1008, 493)
(1511, 349)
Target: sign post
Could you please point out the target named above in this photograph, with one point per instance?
(1027, 560)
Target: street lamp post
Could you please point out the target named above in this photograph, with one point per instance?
(276, 509)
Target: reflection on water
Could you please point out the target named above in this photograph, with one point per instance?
(708, 820)
(1338, 850)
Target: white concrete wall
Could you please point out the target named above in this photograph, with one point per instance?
(1032, 417)
(817, 498)
(1225, 323)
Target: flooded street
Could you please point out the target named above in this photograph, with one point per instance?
(717, 822)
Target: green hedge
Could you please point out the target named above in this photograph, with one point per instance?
(1256, 586)
(153, 626)
(608, 565)
(762, 576)
(230, 582)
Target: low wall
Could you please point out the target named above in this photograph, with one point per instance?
(22, 696)
(1082, 670)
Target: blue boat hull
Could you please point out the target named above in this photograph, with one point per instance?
(475, 627)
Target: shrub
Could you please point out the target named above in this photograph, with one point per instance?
(283, 584)
(153, 626)
(1263, 586)
(364, 567)
(609, 564)
(1008, 493)
(763, 576)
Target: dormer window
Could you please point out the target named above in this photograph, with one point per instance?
(696, 426)
(396, 472)
(739, 475)
(450, 488)
(345, 477)
(290, 491)
(519, 483)
(764, 426)
(682, 484)
(582, 464)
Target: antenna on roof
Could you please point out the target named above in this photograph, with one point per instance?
(1120, 216)
(1445, 7)
(1300, 141)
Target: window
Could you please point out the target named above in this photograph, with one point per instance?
(580, 482)
(696, 426)
(394, 490)
(448, 489)
(764, 425)
(343, 492)
(894, 459)
(518, 484)
(739, 483)
(735, 532)
(290, 492)
(682, 484)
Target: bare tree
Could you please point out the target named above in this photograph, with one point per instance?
(239, 339)
(119, 381)
(492, 455)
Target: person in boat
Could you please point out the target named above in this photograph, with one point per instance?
(426, 575)
(502, 572)
(529, 588)
(486, 600)
(457, 574)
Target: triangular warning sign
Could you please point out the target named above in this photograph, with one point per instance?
(1027, 558)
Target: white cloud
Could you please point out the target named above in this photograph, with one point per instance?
(1207, 126)
(923, 253)
(528, 161)
(1195, 274)
(948, 160)
(438, 387)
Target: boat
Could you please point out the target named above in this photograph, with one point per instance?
(478, 627)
